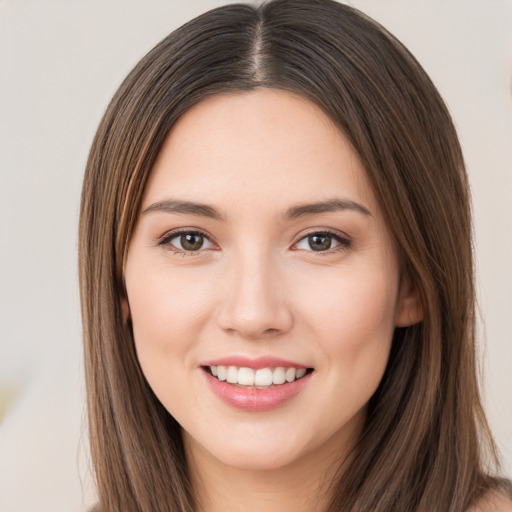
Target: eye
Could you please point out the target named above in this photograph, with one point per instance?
(187, 241)
(322, 241)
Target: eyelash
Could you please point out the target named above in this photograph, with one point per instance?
(167, 238)
(344, 242)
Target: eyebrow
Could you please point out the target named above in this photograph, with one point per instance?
(187, 207)
(300, 210)
(331, 205)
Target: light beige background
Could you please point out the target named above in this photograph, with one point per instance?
(60, 62)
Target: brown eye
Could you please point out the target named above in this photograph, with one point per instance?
(319, 242)
(323, 241)
(187, 242)
(191, 241)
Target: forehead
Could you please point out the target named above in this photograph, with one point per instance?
(265, 147)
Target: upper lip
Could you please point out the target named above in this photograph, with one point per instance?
(253, 362)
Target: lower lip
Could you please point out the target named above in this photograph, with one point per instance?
(256, 400)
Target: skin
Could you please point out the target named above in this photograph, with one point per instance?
(255, 287)
(493, 502)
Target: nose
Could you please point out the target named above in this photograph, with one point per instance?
(254, 302)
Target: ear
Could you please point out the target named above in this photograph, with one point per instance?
(409, 309)
(125, 308)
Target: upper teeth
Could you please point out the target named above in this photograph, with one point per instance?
(260, 377)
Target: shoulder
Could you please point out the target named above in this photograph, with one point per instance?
(492, 502)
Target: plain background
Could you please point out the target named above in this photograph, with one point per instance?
(60, 62)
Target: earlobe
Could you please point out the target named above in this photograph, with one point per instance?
(409, 310)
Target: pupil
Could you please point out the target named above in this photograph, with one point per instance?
(320, 242)
(191, 242)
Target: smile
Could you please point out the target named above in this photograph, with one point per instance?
(262, 378)
(256, 385)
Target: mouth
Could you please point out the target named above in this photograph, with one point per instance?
(261, 378)
(256, 384)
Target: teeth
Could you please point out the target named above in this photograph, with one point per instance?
(246, 376)
(279, 376)
(232, 375)
(300, 373)
(221, 372)
(261, 378)
(290, 374)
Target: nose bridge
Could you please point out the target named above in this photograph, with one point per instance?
(253, 302)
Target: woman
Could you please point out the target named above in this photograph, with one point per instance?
(276, 276)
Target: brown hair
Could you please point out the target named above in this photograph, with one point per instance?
(426, 436)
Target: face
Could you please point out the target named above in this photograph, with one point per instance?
(262, 283)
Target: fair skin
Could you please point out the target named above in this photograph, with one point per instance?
(492, 502)
(259, 237)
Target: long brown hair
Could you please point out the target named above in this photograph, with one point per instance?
(426, 440)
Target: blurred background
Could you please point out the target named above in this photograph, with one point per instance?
(60, 63)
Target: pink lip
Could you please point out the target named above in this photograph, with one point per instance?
(255, 400)
(254, 363)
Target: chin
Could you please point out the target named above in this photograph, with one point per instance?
(257, 459)
(254, 450)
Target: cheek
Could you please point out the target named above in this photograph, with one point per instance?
(168, 310)
(352, 317)
(353, 302)
(352, 325)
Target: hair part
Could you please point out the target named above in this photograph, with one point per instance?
(426, 438)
